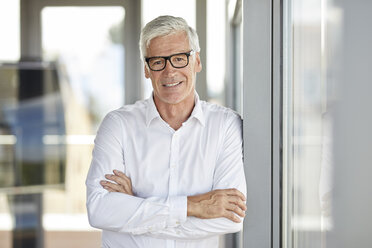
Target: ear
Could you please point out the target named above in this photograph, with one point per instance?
(147, 73)
(198, 64)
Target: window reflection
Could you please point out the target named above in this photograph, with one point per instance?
(310, 38)
(89, 47)
(49, 114)
(31, 109)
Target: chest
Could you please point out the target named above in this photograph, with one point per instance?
(162, 163)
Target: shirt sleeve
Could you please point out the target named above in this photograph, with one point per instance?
(229, 173)
(120, 212)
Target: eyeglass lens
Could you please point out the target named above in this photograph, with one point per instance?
(177, 61)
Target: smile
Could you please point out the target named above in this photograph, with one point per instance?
(172, 84)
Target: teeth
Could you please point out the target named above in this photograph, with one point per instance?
(170, 85)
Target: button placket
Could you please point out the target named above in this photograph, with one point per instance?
(173, 185)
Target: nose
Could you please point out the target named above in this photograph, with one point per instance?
(169, 69)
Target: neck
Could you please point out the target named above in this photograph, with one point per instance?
(175, 114)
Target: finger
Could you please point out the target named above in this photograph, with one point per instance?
(237, 193)
(127, 186)
(231, 216)
(124, 177)
(106, 186)
(119, 180)
(237, 201)
(109, 189)
(120, 173)
(127, 189)
(113, 186)
(234, 208)
(116, 187)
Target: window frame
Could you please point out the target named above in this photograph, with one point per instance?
(31, 44)
(262, 114)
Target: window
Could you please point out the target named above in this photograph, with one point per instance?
(310, 43)
(10, 30)
(49, 114)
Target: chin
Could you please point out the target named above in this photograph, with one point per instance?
(173, 101)
(174, 98)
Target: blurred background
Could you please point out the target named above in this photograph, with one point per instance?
(64, 64)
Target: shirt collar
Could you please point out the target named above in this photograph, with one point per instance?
(152, 113)
(198, 111)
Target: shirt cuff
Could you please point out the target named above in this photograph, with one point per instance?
(177, 210)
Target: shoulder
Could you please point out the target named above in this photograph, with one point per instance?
(129, 113)
(217, 112)
(224, 122)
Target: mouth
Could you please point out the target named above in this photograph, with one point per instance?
(172, 84)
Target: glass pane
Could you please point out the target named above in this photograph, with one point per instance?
(88, 47)
(31, 110)
(310, 49)
(216, 51)
(49, 114)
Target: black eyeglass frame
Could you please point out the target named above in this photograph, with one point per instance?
(188, 54)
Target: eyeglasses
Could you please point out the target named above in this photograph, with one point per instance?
(179, 60)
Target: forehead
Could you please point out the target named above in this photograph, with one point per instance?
(168, 44)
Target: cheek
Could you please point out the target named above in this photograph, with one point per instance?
(154, 78)
(191, 76)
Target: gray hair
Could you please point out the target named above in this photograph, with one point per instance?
(165, 25)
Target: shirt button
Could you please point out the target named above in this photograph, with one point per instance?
(177, 222)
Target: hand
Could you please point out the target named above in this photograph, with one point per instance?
(217, 203)
(122, 184)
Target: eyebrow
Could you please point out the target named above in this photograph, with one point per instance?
(168, 55)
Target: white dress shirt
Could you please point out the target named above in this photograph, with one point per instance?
(165, 167)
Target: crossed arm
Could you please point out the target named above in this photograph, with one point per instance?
(226, 203)
(114, 207)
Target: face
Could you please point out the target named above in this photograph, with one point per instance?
(173, 85)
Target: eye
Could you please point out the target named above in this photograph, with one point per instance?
(155, 62)
(179, 59)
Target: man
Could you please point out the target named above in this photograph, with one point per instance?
(178, 178)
